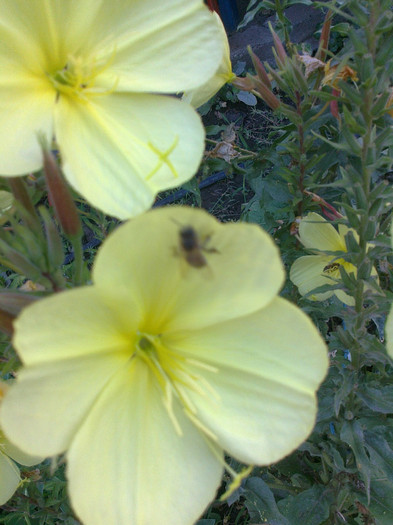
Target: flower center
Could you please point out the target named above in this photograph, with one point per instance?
(78, 77)
(176, 377)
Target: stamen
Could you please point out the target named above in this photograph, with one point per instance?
(236, 482)
(77, 78)
(209, 433)
(199, 364)
(175, 379)
(237, 477)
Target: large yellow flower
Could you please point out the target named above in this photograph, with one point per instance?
(9, 472)
(312, 271)
(171, 357)
(89, 73)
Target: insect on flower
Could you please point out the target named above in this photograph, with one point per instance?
(191, 247)
(330, 268)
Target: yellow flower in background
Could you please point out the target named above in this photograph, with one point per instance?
(180, 350)
(9, 472)
(224, 74)
(90, 74)
(312, 271)
(338, 72)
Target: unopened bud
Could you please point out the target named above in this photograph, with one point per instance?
(324, 38)
(243, 83)
(11, 304)
(60, 196)
(266, 94)
(259, 69)
(281, 53)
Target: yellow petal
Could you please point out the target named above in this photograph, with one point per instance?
(243, 269)
(9, 478)
(389, 333)
(120, 150)
(162, 47)
(26, 105)
(73, 324)
(268, 368)
(224, 73)
(307, 274)
(139, 470)
(31, 40)
(344, 297)
(318, 234)
(44, 409)
(16, 454)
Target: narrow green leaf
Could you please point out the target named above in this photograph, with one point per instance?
(352, 434)
(261, 504)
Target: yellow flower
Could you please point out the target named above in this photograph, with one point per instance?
(9, 472)
(337, 72)
(312, 271)
(199, 96)
(181, 349)
(91, 74)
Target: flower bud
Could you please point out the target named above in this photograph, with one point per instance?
(266, 94)
(260, 70)
(60, 196)
(281, 53)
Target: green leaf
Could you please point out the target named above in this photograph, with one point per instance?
(310, 507)
(294, 2)
(192, 186)
(261, 504)
(381, 456)
(381, 503)
(352, 434)
(341, 394)
(377, 399)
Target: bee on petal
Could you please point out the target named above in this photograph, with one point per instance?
(191, 248)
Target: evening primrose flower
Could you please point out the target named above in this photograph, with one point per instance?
(312, 271)
(223, 75)
(169, 359)
(91, 74)
(9, 472)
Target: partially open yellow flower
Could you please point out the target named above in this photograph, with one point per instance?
(90, 73)
(199, 96)
(181, 349)
(337, 72)
(312, 271)
(9, 472)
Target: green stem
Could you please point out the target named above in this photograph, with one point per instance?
(78, 259)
